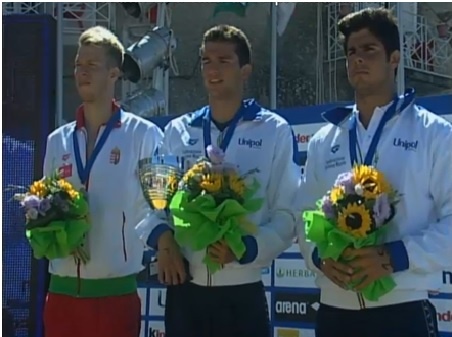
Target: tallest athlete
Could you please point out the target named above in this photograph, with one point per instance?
(412, 147)
(100, 151)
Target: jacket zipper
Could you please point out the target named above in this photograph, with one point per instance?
(78, 262)
(124, 248)
(361, 301)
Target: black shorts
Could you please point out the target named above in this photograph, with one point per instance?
(411, 319)
(227, 311)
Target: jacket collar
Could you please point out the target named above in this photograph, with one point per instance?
(252, 113)
(80, 115)
(340, 115)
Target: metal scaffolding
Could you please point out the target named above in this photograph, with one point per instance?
(424, 49)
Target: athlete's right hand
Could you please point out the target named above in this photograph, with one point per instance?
(170, 264)
(339, 273)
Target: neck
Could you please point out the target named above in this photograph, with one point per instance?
(367, 103)
(96, 114)
(224, 110)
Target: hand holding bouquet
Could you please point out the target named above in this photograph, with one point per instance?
(56, 218)
(354, 213)
(211, 205)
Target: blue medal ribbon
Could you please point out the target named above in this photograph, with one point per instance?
(226, 140)
(84, 171)
(388, 115)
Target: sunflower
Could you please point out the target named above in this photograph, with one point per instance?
(237, 184)
(172, 184)
(355, 219)
(372, 181)
(39, 189)
(337, 193)
(211, 183)
(199, 168)
(67, 187)
(196, 170)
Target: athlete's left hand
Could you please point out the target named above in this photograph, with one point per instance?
(369, 264)
(221, 253)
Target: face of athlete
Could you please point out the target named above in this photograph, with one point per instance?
(368, 66)
(221, 71)
(94, 77)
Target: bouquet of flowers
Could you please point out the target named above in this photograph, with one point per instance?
(212, 203)
(56, 218)
(355, 212)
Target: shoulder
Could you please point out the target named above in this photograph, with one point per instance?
(426, 127)
(324, 135)
(272, 119)
(430, 122)
(140, 128)
(271, 122)
(186, 120)
(61, 132)
(138, 123)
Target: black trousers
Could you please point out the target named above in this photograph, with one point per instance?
(411, 319)
(228, 311)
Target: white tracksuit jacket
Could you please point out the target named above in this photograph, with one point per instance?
(415, 153)
(116, 201)
(261, 140)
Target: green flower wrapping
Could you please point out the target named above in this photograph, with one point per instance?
(331, 243)
(200, 222)
(59, 236)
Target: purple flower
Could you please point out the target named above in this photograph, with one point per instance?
(382, 209)
(346, 180)
(31, 201)
(215, 154)
(328, 208)
(44, 206)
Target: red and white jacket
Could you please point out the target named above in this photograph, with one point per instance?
(115, 243)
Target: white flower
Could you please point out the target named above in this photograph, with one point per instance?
(359, 190)
(32, 213)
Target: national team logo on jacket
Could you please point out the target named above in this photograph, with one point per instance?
(65, 171)
(115, 156)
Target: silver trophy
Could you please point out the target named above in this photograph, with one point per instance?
(159, 178)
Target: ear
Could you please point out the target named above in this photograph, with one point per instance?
(115, 73)
(246, 71)
(394, 59)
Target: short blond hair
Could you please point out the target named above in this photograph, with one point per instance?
(103, 37)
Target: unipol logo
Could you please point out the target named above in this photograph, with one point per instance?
(407, 145)
(251, 143)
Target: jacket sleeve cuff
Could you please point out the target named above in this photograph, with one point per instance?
(315, 258)
(399, 256)
(250, 249)
(155, 235)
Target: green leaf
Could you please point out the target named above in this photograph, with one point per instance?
(201, 222)
(58, 239)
